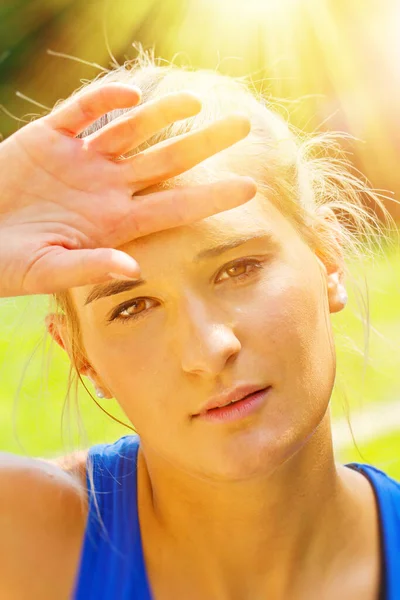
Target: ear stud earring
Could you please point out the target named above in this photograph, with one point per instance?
(99, 392)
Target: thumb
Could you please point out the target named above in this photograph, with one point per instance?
(60, 269)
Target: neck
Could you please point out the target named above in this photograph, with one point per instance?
(240, 531)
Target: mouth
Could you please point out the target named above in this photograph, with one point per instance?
(236, 409)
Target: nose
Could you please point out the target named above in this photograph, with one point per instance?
(207, 339)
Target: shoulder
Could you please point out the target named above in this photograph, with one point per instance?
(43, 511)
(103, 455)
(44, 507)
(73, 464)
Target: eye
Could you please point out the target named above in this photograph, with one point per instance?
(131, 309)
(236, 271)
(240, 269)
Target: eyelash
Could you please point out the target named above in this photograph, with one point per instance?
(255, 264)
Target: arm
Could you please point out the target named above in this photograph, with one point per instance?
(42, 520)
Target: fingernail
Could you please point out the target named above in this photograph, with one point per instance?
(124, 277)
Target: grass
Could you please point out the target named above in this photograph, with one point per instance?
(31, 405)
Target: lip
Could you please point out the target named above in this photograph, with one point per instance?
(241, 409)
(229, 396)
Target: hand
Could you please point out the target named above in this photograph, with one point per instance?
(66, 203)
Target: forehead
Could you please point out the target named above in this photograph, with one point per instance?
(257, 214)
(165, 251)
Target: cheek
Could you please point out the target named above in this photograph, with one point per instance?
(288, 321)
(286, 332)
(133, 366)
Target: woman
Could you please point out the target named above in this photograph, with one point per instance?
(213, 333)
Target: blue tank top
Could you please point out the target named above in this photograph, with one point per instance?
(112, 564)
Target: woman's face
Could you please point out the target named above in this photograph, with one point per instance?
(207, 320)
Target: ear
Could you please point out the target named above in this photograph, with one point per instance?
(57, 328)
(332, 261)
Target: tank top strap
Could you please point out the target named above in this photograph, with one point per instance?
(112, 563)
(387, 494)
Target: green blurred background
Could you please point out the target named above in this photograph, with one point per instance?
(332, 64)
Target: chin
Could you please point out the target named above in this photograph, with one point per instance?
(255, 454)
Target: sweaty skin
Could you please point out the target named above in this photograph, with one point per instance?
(246, 510)
(65, 205)
(254, 508)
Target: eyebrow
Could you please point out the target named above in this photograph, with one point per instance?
(234, 243)
(102, 290)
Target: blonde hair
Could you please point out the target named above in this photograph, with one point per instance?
(297, 172)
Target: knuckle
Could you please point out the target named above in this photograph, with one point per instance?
(99, 102)
(85, 108)
(173, 158)
(210, 141)
(181, 201)
(148, 121)
(130, 122)
(166, 110)
(129, 170)
(105, 93)
(105, 255)
(134, 127)
(136, 225)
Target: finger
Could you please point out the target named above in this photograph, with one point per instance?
(181, 206)
(181, 153)
(61, 269)
(137, 126)
(82, 109)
